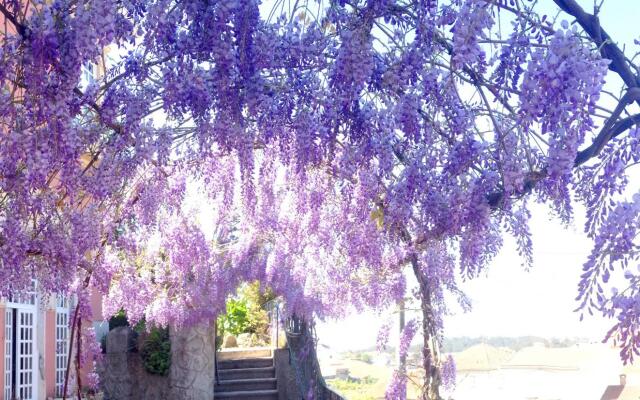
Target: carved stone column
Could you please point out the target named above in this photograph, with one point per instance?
(192, 371)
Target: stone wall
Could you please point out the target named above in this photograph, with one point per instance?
(122, 375)
(287, 385)
(190, 377)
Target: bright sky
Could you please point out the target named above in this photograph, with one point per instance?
(507, 300)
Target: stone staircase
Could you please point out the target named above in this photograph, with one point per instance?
(247, 374)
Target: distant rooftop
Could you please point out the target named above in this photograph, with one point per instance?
(620, 392)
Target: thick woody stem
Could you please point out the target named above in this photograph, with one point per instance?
(20, 28)
(69, 356)
(431, 384)
(78, 381)
(608, 48)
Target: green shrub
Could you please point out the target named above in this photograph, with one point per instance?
(120, 319)
(365, 357)
(235, 320)
(255, 297)
(219, 340)
(355, 390)
(156, 352)
(245, 313)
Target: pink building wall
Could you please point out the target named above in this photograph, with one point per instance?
(95, 300)
(50, 353)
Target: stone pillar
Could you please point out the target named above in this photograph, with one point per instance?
(287, 384)
(116, 377)
(192, 371)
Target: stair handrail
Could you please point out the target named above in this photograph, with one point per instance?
(273, 307)
(216, 376)
(302, 341)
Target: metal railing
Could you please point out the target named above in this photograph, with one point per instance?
(273, 309)
(301, 341)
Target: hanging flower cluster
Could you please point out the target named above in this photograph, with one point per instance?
(163, 152)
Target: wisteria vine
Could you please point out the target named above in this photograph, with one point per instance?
(331, 148)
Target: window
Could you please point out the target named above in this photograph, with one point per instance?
(62, 342)
(8, 352)
(20, 354)
(26, 370)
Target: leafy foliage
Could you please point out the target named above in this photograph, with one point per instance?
(245, 312)
(156, 352)
(119, 319)
(256, 298)
(365, 389)
(235, 320)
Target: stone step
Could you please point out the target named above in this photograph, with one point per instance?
(246, 385)
(249, 395)
(247, 373)
(245, 363)
(236, 354)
